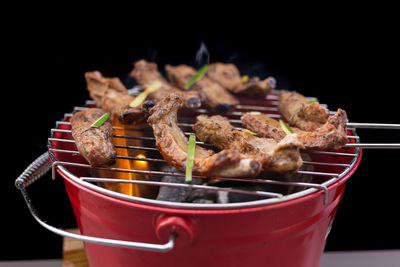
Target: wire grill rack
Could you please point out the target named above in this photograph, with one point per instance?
(324, 167)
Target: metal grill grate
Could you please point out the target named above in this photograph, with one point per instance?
(327, 166)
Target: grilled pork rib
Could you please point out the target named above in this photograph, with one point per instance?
(172, 144)
(146, 73)
(263, 125)
(332, 134)
(228, 76)
(283, 156)
(212, 95)
(94, 144)
(112, 96)
(301, 113)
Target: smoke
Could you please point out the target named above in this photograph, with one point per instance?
(202, 56)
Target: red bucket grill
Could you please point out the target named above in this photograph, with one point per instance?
(327, 165)
(281, 229)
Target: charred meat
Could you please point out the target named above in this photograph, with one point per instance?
(212, 95)
(112, 96)
(172, 144)
(94, 144)
(256, 87)
(228, 76)
(330, 135)
(300, 112)
(282, 156)
(146, 73)
(263, 125)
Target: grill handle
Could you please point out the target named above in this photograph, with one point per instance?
(40, 167)
(35, 170)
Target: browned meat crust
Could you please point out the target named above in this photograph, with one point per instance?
(212, 95)
(263, 125)
(112, 96)
(331, 135)
(146, 73)
(256, 87)
(94, 144)
(275, 156)
(228, 76)
(300, 113)
(172, 144)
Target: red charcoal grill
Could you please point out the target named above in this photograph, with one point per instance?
(123, 230)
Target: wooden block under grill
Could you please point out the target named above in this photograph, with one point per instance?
(74, 254)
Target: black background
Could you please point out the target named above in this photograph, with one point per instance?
(355, 67)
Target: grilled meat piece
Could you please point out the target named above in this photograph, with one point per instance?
(283, 156)
(228, 76)
(256, 87)
(332, 134)
(94, 144)
(263, 125)
(172, 144)
(146, 73)
(112, 96)
(300, 113)
(212, 95)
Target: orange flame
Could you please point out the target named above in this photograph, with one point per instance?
(121, 143)
(141, 164)
(125, 188)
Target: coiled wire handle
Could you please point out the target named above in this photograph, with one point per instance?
(40, 167)
(35, 170)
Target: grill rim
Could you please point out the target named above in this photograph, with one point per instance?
(343, 176)
(323, 187)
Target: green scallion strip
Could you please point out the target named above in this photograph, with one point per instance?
(286, 128)
(190, 158)
(297, 110)
(154, 86)
(245, 79)
(200, 73)
(312, 101)
(100, 121)
(248, 132)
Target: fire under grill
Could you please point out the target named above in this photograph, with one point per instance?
(140, 171)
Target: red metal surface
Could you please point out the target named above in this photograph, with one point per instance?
(290, 233)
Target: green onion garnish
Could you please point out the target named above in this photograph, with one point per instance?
(190, 158)
(244, 79)
(154, 86)
(297, 110)
(286, 128)
(248, 132)
(100, 121)
(311, 101)
(200, 73)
